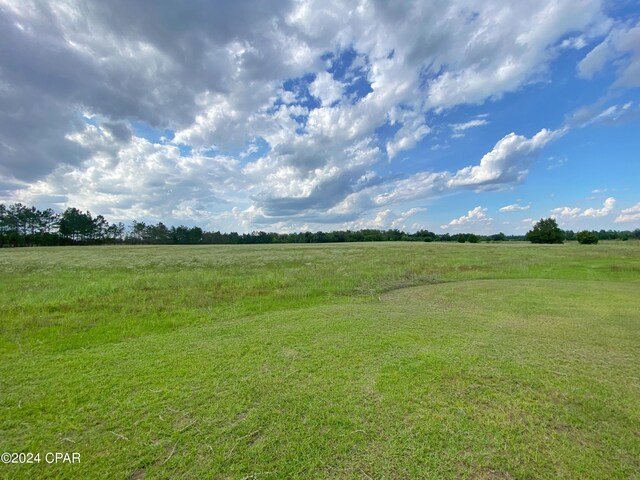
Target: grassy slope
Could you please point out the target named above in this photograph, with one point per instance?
(505, 361)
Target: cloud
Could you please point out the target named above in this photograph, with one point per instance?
(574, 212)
(565, 212)
(631, 214)
(621, 49)
(504, 57)
(387, 219)
(473, 217)
(119, 131)
(59, 58)
(606, 209)
(505, 165)
(461, 127)
(508, 161)
(576, 43)
(515, 208)
(612, 115)
(510, 156)
(412, 131)
(326, 89)
(138, 179)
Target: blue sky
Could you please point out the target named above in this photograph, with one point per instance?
(317, 115)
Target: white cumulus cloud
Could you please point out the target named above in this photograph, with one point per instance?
(473, 217)
(507, 162)
(326, 89)
(606, 209)
(565, 212)
(631, 214)
(387, 219)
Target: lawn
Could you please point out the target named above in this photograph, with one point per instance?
(384, 360)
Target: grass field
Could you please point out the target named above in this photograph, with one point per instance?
(386, 360)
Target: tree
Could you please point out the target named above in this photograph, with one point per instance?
(545, 231)
(99, 228)
(195, 235)
(138, 231)
(77, 225)
(115, 232)
(586, 237)
(158, 234)
(49, 220)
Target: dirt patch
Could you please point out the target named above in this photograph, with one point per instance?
(138, 474)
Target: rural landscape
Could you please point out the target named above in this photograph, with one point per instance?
(362, 360)
(319, 239)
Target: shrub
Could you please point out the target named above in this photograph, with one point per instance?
(586, 237)
(473, 238)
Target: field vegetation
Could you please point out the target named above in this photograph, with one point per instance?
(378, 360)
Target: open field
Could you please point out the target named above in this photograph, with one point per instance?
(385, 360)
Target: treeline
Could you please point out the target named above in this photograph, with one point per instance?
(160, 234)
(27, 226)
(606, 234)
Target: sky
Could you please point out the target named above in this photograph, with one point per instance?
(282, 116)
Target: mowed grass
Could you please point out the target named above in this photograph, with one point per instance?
(395, 360)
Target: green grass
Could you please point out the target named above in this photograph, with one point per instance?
(394, 360)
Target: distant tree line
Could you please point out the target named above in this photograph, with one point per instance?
(27, 226)
(160, 234)
(606, 234)
(547, 231)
